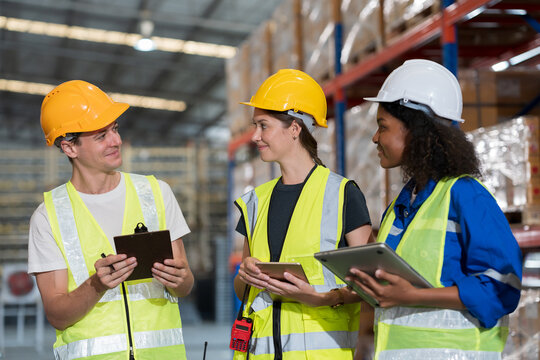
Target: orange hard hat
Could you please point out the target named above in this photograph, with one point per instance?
(77, 106)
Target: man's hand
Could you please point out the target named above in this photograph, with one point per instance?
(113, 269)
(172, 274)
(175, 273)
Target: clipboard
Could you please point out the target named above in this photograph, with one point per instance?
(147, 247)
(368, 258)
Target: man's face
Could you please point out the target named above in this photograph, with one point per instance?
(100, 149)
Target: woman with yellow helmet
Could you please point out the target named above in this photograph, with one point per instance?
(306, 210)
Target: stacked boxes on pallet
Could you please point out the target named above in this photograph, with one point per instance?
(523, 341)
(379, 186)
(491, 97)
(400, 15)
(260, 60)
(362, 30)
(238, 84)
(286, 36)
(510, 157)
(318, 37)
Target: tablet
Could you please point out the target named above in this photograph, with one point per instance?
(368, 258)
(276, 269)
(147, 247)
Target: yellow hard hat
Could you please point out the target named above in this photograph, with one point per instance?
(77, 106)
(290, 89)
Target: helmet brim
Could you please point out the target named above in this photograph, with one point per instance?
(107, 117)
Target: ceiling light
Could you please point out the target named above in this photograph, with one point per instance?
(145, 43)
(524, 56)
(500, 66)
(516, 11)
(474, 13)
(114, 37)
(25, 87)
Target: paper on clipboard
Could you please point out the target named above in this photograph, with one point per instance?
(147, 247)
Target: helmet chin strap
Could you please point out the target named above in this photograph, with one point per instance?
(306, 119)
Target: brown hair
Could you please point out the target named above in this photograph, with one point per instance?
(306, 139)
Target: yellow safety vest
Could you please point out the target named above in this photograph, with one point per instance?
(300, 331)
(154, 318)
(431, 333)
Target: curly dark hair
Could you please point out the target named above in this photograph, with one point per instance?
(434, 149)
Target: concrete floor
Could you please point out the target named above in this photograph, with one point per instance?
(194, 337)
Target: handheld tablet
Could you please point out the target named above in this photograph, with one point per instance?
(276, 269)
(368, 258)
(147, 247)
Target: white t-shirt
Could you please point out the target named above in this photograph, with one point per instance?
(108, 210)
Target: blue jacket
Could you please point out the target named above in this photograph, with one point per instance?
(478, 238)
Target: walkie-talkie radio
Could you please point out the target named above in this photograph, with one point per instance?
(240, 334)
(241, 330)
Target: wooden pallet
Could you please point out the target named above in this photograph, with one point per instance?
(528, 215)
(395, 30)
(360, 54)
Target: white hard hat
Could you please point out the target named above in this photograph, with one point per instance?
(423, 82)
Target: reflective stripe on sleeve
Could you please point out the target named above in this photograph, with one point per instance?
(508, 279)
(453, 227)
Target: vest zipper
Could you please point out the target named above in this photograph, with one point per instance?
(276, 330)
(131, 356)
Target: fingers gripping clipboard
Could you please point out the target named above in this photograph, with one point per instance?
(147, 247)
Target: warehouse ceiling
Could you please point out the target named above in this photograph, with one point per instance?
(46, 42)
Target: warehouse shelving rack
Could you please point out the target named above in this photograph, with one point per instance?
(345, 89)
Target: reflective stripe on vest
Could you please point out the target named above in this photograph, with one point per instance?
(115, 343)
(435, 354)
(433, 333)
(147, 201)
(306, 341)
(75, 256)
(70, 237)
(149, 290)
(328, 228)
(252, 202)
(63, 204)
(330, 213)
(431, 318)
(315, 225)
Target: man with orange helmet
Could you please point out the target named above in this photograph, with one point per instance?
(76, 224)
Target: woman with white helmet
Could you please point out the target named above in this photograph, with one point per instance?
(288, 219)
(444, 223)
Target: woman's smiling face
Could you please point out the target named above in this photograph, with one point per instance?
(390, 138)
(272, 139)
